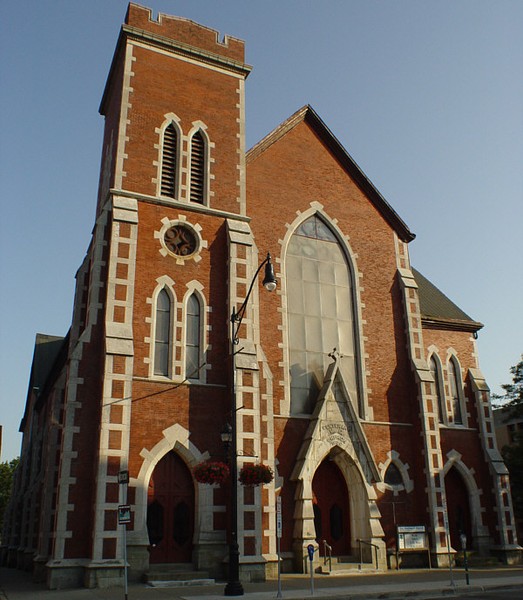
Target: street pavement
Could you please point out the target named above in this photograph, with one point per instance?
(393, 585)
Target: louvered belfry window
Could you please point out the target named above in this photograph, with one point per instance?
(197, 168)
(169, 162)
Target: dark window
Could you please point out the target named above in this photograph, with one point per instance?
(197, 168)
(435, 373)
(162, 340)
(192, 342)
(393, 475)
(454, 392)
(169, 161)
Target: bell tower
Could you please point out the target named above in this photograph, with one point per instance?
(151, 307)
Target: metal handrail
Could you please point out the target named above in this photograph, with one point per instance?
(376, 548)
(327, 554)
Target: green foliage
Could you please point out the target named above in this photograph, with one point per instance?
(6, 480)
(513, 457)
(513, 396)
(513, 454)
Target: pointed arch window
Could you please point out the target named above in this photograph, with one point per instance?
(320, 312)
(193, 338)
(455, 395)
(435, 371)
(169, 161)
(198, 168)
(162, 338)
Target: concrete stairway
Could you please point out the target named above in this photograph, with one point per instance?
(176, 575)
(344, 565)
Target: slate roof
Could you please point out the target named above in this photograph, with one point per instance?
(46, 352)
(438, 310)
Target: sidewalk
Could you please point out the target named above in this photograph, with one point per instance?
(419, 583)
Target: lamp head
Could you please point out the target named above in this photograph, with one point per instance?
(269, 281)
(226, 434)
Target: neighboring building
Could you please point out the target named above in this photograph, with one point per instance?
(357, 381)
(508, 427)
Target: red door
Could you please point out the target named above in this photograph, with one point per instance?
(458, 508)
(331, 508)
(170, 511)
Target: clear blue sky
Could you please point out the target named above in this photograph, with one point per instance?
(425, 95)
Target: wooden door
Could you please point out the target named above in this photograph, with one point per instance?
(458, 507)
(170, 511)
(331, 508)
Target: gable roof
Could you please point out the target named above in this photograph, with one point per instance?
(439, 311)
(308, 114)
(47, 352)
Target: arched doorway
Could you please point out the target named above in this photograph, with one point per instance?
(458, 507)
(331, 508)
(170, 511)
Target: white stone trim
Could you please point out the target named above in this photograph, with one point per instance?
(196, 228)
(393, 457)
(124, 117)
(71, 404)
(174, 438)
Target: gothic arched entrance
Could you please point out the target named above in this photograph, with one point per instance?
(170, 511)
(331, 508)
(458, 507)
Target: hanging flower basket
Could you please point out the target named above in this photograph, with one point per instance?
(211, 472)
(255, 474)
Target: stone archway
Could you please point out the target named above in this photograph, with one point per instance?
(335, 434)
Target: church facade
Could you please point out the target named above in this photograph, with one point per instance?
(356, 380)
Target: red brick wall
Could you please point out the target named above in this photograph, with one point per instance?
(185, 31)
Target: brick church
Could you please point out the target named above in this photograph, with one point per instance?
(356, 380)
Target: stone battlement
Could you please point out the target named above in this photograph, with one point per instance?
(185, 31)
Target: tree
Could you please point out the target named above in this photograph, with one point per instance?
(513, 396)
(512, 402)
(6, 480)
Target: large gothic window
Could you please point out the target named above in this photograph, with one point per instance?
(192, 340)
(162, 338)
(320, 312)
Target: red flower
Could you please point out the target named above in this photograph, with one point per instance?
(255, 474)
(211, 472)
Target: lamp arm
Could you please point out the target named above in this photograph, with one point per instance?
(237, 316)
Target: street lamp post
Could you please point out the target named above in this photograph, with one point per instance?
(234, 586)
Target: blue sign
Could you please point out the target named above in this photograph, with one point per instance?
(310, 550)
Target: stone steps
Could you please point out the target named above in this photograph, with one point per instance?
(344, 565)
(176, 575)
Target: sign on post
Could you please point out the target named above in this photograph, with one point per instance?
(123, 477)
(278, 517)
(124, 514)
(411, 537)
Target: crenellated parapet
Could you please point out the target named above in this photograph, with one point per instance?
(185, 31)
